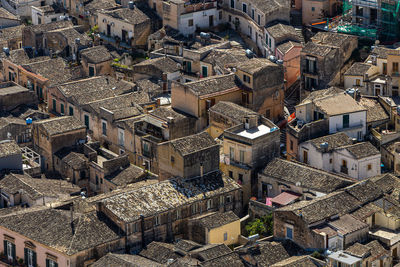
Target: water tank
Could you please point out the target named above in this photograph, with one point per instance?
(131, 5)
(6, 50)
(249, 53)
(279, 61)
(28, 120)
(274, 129)
(77, 41)
(272, 58)
(324, 146)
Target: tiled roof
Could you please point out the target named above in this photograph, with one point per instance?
(332, 38)
(362, 150)
(193, 143)
(347, 224)
(167, 113)
(286, 46)
(358, 250)
(54, 228)
(280, 31)
(160, 197)
(297, 261)
(317, 49)
(37, 188)
(40, 28)
(217, 219)
(381, 52)
(213, 84)
(159, 252)
(124, 260)
(164, 64)
(59, 125)
(304, 175)
(257, 65)
(186, 245)
(364, 191)
(375, 111)
(210, 251)
(11, 32)
(94, 6)
(9, 148)
(358, 69)
(264, 253)
(96, 54)
(341, 103)
(227, 260)
(4, 13)
(126, 176)
(334, 141)
(231, 110)
(133, 16)
(269, 7)
(224, 58)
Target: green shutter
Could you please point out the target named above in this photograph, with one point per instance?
(34, 259)
(5, 248)
(55, 264)
(13, 251)
(26, 256)
(47, 263)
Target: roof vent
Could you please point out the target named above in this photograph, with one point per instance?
(131, 5)
(324, 146)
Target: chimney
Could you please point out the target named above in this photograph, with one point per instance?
(251, 121)
(131, 5)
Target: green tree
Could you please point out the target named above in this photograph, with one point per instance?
(268, 221)
(255, 227)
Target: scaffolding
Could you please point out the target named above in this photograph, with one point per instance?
(389, 21)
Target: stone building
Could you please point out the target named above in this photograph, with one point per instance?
(10, 156)
(13, 95)
(248, 147)
(160, 211)
(11, 37)
(53, 134)
(322, 59)
(196, 98)
(263, 87)
(96, 61)
(188, 157)
(8, 19)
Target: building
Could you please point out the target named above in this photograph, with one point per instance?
(23, 190)
(338, 153)
(341, 110)
(72, 239)
(224, 115)
(13, 95)
(263, 87)
(250, 17)
(188, 157)
(215, 228)
(53, 134)
(316, 11)
(322, 59)
(10, 156)
(8, 19)
(246, 149)
(160, 211)
(278, 34)
(15, 129)
(96, 61)
(358, 75)
(48, 13)
(125, 27)
(299, 180)
(289, 53)
(196, 98)
(11, 37)
(222, 61)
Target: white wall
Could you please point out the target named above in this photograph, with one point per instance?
(355, 119)
(357, 168)
(200, 19)
(350, 81)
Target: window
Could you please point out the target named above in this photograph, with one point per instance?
(358, 82)
(291, 145)
(86, 117)
(395, 67)
(268, 113)
(178, 214)
(246, 78)
(172, 159)
(157, 220)
(101, 180)
(346, 121)
(232, 3)
(228, 199)
(330, 161)
(244, 8)
(221, 200)
(121, 137)
(190, 22)
(252, 13)
(39, 20)
(209, 204)
(359, 135)
(54, 105)
(230, 174)
(311, 65)
(62, 109)
(71, 111)
(220, 15)
(51, 263)
(312, 9)
(240, 179)
(146, 149)
(97, 180)
(259, 19)
(9, 250)
(53, 19)
(305, 156)
(204, 71)
(91, 71)
(229, 18)
(384, 68)
(289, 232)
(369, 167)
(231, 153)
(104, 127)
(241, 153)
(225, 236)
(195, 208)
(30, 257)
(344, 163)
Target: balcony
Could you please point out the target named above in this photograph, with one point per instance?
(191, 6)
(340, 128)
(113, 41)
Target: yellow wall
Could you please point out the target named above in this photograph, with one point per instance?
(216, 235)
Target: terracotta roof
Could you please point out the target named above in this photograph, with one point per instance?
(375, 111)
(296, 261)
(164, 64)
(257, 65)
(132, 16)
(358, 69)
(124, 260)
(159, 252)
(347, 224)
(362, 150)
(284, 198)
(11, 32)
(281, 32)
(334, 141)
(231, 110)
(213, 84)
(286, 46)
(96, 54)
(217, 219)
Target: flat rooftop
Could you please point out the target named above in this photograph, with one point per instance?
(254, 132)
(344, 258)
(15, 89)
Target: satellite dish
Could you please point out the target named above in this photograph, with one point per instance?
(9, 136)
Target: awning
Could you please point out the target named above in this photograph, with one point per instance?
(285, 198)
